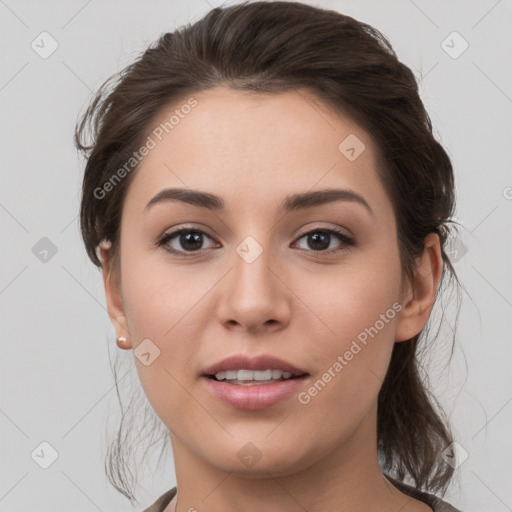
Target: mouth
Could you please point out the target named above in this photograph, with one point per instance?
(245, 382)
(261, 376)
(245, 368)
(248, 377)
(254, 394)
(254, 382)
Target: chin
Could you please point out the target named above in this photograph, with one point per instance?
(257, 460)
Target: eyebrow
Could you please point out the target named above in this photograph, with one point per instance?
(288, 204)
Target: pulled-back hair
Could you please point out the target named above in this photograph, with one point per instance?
(276, 47)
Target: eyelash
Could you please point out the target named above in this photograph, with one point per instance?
(166, 237)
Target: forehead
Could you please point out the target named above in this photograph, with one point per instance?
(253, 149)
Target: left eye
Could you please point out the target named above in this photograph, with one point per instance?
(321, 238)
(191, 240)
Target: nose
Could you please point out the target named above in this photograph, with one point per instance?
(254, 296)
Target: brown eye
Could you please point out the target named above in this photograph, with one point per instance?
(318, 240)
(188, 240)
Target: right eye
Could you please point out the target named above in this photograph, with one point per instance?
(190, 239)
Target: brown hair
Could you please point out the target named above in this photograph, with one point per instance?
(350, 66)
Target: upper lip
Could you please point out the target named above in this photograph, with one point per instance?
(244, 362)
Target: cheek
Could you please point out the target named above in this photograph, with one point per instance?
(168, 307)
(357, 307)
(161, 310)
(351, 369)
(352, 299)
(158, 296)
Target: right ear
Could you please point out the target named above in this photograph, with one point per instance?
(113, 296)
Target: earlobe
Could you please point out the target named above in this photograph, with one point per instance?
(113, 296)
(420, 294)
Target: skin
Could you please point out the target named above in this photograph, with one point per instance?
(293, 301)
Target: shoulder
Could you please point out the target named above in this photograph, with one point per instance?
(437, 504)
(164, 500)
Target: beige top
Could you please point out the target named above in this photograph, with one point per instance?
(437, 504)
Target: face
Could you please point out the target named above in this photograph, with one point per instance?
(254, 279)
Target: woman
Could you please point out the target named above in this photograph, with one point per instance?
(270, 211)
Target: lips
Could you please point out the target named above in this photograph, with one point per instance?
(244, 362)
(262, 396)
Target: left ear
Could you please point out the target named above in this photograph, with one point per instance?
(418, 299)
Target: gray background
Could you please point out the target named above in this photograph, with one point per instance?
(56, 382)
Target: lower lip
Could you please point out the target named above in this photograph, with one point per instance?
(259, 396)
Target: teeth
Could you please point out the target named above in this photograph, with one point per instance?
(252, 375)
